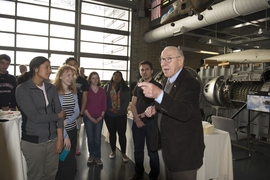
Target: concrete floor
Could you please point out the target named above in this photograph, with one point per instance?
(257, 167)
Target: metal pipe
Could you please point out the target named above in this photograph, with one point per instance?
(222, 11)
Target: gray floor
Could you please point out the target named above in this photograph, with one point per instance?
(112, 169)
(257, 167)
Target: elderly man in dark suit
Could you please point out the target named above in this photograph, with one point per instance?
(178, 123)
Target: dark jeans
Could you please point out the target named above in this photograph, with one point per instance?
(67, 168)
(117, 124)
(93, 132)
(139, 137)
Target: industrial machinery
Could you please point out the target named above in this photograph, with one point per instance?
(231, 90)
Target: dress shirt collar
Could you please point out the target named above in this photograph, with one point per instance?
(173, 78)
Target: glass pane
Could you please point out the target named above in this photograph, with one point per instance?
(93, 9)
(6, 39)
(7, 7)
(92, 36)
(92, 20)
(58, 59)
(104, 11)
(62, 16)
(108, 75)
(25, 57)
(70, 4)
(62, 31)
(91, 48)
(95, 63)
(104, 22)
(43, 2)
(11, 70)
(116, 13)
(103, 37)
(116, 24)
(9, 24)
(62, 44)
(115, 50)
(105, 75)
(53, 74)
(27, 27)
(33, 11)
(115, 39)
(34, 42)
(9, 53)
(103, 49)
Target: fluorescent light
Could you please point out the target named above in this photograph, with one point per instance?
(260, 31)
(208, 52)
(190, 49)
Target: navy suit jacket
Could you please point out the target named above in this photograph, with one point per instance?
(181, 131)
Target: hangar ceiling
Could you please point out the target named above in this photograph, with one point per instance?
(248, 31)
(244, 32)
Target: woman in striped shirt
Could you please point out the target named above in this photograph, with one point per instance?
(66, 87)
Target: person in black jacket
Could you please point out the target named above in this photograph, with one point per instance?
(178, 117)
(7, 85)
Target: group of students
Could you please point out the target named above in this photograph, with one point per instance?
(167, 117)
(51, 112)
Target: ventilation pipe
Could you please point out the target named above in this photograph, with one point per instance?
(222, 11)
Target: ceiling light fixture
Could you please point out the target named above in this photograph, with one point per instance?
(189, 49)
(260, 31)
(208, 52)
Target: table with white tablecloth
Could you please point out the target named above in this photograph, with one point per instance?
(12, 162)
(217, 161)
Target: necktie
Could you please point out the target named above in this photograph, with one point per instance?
(167, 89)
(168, 86)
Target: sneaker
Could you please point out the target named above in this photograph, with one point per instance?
(78, 152)
(98, 162)
(90, 160)
(112, 155)
(125, 158)
(136, 177)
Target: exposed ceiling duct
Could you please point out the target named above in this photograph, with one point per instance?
(222, 11)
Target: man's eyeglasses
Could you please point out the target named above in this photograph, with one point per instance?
(167, 59)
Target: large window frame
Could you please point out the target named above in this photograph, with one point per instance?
(62, 31)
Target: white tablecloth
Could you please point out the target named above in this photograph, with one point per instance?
(12, 162)
(217, 161)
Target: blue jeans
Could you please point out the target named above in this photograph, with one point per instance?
(139, 137)
(93, 132)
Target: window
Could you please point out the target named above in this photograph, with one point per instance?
(98, 36)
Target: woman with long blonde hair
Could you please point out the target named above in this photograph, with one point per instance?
(66, 87)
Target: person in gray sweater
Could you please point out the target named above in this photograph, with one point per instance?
(42, 120)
